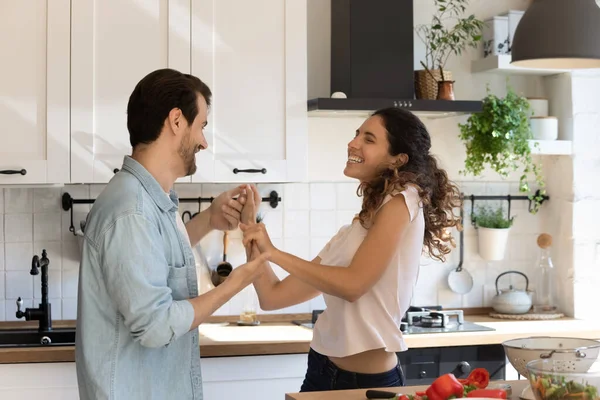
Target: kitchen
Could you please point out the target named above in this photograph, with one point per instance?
(73, 113)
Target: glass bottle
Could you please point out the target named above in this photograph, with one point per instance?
(544, 301)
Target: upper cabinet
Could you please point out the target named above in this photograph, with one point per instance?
(252, 54)
(34, 92)
(115, 43)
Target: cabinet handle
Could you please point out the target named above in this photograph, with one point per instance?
(115, 170)
(252, 171)
(14, 171)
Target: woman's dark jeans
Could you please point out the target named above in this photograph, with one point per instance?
(324, 375)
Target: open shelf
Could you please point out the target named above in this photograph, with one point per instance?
(552, 147)
(501, 64)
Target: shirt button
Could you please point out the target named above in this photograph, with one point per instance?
(196, 380)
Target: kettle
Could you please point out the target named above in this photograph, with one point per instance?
(512, 301)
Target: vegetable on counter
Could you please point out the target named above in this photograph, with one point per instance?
(447, 387)
(444, 388)
(559, 388)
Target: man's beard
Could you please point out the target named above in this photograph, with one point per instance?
(187, 152)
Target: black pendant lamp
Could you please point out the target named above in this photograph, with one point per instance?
(558, 34)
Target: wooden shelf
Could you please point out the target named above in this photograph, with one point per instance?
(501, 65)
(552, 147)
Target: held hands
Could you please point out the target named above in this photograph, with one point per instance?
(257, 233)
(225, 211)
(250, 199)
(251, 270)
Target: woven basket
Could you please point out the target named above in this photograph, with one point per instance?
(426, 88)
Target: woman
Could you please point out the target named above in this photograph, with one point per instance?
(368, 270)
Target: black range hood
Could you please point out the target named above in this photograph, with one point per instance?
(372, 61)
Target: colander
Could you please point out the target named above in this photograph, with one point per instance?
(570, 354)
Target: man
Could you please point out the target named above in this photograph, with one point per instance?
(138, 303)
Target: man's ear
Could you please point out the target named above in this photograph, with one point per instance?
(175, 120)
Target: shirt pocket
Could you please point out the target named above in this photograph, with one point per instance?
(178, 282)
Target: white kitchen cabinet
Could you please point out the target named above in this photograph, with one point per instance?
(253, 378)
(115, 43)
(252, 54)
(34, 91)
(48, 381)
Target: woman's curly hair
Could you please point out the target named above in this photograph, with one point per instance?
(440, 197)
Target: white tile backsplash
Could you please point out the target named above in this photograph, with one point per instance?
(309, 215)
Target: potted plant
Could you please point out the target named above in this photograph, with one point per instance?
(449, 33)
(498, 137)
(493, 229)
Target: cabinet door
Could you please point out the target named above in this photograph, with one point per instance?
(34, 91)
(252, 54)
(115, 43)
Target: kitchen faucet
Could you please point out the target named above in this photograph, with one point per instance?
(42, 313)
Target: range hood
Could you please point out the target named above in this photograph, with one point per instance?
(372, 61)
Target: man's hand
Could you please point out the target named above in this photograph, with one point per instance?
(250, 199)
(225, 211)
(248, 272)
(258, 234)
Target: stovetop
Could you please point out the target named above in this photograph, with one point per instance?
(422, 320)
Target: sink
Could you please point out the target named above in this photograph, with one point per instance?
(34, 338)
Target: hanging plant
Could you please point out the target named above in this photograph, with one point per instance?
(498, 137)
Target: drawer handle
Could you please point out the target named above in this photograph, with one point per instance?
(252, 171)
(14, 171)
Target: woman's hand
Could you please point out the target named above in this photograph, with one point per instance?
(250, 199)
(258, 234)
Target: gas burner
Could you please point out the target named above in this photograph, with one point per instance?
(432, 321)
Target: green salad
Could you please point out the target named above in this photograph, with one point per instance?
(561, 388)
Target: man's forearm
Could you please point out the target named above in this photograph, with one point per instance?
(198, 227)
(206, 304)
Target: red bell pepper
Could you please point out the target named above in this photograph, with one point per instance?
(479, 377)
(488, 393)
(445, 387)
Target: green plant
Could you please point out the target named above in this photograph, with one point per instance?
(441, 40)
(486, 217)
(498, 136)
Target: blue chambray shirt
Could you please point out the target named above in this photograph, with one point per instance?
(137, 269)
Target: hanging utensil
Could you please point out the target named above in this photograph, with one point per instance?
(460, 280)
(224, 268)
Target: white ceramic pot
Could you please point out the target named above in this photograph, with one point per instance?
(538, 106)
(492, 243)
(544, 128)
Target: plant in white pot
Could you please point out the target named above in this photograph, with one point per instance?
(493, 230)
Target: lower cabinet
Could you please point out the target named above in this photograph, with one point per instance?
(48, 381)
(253, 378)
(256, 377)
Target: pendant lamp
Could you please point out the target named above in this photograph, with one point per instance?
(558, 34)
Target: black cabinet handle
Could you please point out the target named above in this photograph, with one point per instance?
(115, 170)
(14, 171)
(251, 171)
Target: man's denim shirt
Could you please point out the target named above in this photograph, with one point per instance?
(133, 339)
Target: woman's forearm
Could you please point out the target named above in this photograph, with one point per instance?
(333, 280)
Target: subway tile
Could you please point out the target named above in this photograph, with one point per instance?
(70, 279)
(69, 308)
(296, 224)
(347, 199)
(46, 226)
(296, 196)
(322, 196)
(18, 284)
(18, 200)
(18, 228)
(18, 256)
(46, 200)
(322, 223)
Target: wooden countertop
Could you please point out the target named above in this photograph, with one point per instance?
(226, 339)
(517, 387)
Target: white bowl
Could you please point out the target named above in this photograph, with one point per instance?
(574, 354)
